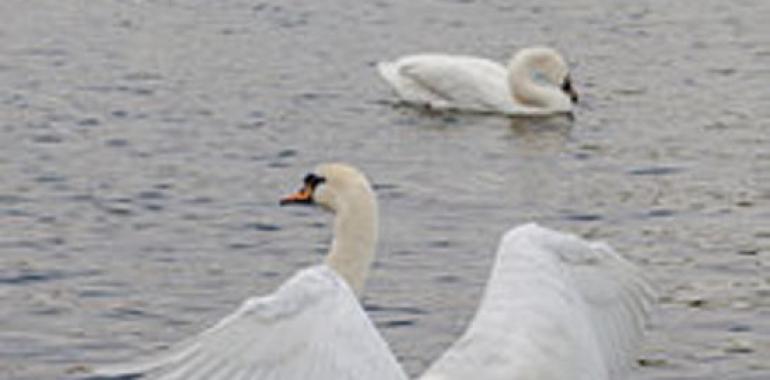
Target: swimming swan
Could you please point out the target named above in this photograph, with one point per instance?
(536, 82)
(556, 307)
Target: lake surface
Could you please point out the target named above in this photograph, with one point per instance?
(144, 146)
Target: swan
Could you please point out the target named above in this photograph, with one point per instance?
(555, 307)
(536, 82)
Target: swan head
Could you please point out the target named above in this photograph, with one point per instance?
(331, 186)
(548, 65)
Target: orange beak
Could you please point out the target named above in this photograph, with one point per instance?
(304, 195)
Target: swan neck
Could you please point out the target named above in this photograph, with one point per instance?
(355, 236)
(526, 91)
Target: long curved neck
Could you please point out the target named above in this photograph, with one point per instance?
(355, 237)
(526, 91)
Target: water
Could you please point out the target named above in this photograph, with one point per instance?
(145, 145)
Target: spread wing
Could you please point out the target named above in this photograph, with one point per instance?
(447, 81)
(556, 307)
(312, 327)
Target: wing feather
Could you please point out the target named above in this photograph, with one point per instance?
(555, 307)
(449, 81)
(311, 327)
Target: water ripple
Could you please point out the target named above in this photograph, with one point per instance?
(26, 276)
(656, 170)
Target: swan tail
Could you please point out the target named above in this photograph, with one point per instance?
(407, 88)
(388, 71)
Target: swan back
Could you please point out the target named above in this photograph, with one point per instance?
(443, 81)
(555, 307)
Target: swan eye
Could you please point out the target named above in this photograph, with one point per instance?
(313, 180)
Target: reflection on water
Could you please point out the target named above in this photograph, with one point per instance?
(146, 144)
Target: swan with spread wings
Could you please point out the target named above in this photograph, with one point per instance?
(555, 307)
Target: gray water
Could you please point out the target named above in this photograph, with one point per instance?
(145, 145)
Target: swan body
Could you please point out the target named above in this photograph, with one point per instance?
(555, 307)
(535, 82)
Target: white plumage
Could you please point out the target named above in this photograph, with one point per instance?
(447, 81)
(536, 82)
(312, 327)
(555, 307)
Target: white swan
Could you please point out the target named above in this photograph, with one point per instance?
(536, 82)
(312, 327)
(556, 307)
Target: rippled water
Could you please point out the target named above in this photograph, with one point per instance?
(145, 145)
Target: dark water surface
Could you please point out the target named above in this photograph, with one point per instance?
(144, 146)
